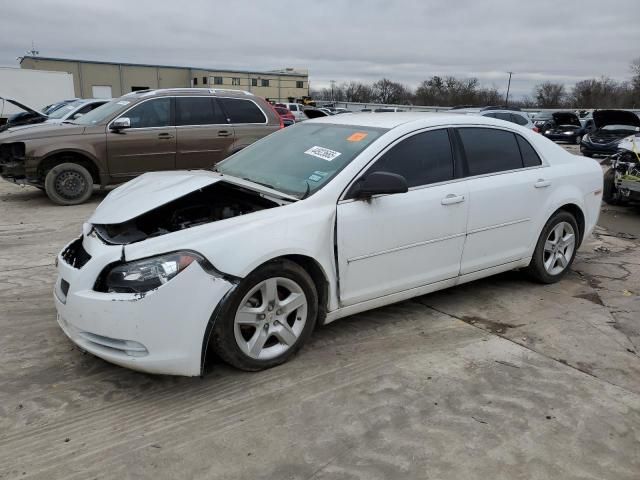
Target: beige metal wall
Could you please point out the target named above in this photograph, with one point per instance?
(121, 78)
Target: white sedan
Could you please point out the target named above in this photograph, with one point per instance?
(321, 220)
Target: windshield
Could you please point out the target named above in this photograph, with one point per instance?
(64, 110)
(624, 128)
(103, 112)
(300, 159)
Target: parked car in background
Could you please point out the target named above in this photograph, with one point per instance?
(54, 106)
(328, 111)
(543, 121)
(611, 126)
(297, 109)
(319, 221)
(287, 117)
(565, 126)
(142, 131)
(57, 113)
(622, 180)
(513, 116)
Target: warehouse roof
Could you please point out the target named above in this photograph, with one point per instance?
(278, 72)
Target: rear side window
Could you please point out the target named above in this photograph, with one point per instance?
(529, 156)
(242, 111)
(490, 150)
(152, 113)
(503, 116)
(198, 111)
(519, 119)
(421, 159)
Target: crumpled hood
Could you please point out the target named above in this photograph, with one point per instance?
(40, 130)
(566, 118)
(155, 189)
(602, 118)
(631, 143)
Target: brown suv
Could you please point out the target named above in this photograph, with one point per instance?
(142, 131)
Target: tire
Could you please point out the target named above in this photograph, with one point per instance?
(253, 317)
(551, 260)
(610, 193)
(68, 184)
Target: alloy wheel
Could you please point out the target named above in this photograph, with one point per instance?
(270, 318)
(558, 248)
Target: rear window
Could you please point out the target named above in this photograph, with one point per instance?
(519, 119)
(198, 111)
(282, 111)
(490, 150)
(242, 111)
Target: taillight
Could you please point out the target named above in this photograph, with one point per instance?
(273, 109)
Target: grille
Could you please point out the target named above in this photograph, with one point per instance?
(75, 254)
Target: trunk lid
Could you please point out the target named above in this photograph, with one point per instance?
(566, 118)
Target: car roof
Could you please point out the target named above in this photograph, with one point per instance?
(226, 92)
(395, 119)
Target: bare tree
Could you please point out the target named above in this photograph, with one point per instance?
(357, 92)
(386, 91)
(549, 94)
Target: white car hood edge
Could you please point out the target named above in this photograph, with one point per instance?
(154, 189)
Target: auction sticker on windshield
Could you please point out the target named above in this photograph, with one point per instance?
(323, 153)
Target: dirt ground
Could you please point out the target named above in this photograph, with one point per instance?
(501, 378)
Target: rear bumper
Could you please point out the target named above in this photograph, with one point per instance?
(162, 331)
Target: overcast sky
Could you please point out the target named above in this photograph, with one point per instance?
(404, 40)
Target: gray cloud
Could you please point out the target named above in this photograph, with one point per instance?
(405, 40)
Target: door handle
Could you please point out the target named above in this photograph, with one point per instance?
(542, 183)
(224, 133)
(451, 199)
(165, 136)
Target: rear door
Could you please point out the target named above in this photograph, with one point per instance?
(203, 135)
(507, 185)
(150, 143)
(248, 120)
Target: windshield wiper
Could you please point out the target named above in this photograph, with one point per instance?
(259, 183)
(307, 191)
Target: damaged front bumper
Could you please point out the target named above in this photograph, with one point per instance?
(162, 331)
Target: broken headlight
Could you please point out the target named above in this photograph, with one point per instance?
(147, 274)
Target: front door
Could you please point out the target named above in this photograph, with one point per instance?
(148, 145)
(397, 242)
(203, 135)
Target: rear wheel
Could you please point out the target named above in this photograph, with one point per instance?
(269, 317)
(68, 184)
(556, 248)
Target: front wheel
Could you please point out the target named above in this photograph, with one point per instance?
(556, 248)
(269, 317)
(68, 184)
(610, 193)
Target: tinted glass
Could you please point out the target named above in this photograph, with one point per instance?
(242, 111)
(421, 159)
(198, 111)
(503, 116)
(519, 119)
(529, 156)
(490, 150)
(152, 113)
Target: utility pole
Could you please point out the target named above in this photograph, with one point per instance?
(508, 88)
(333, 84)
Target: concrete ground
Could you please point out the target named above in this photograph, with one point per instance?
(499, 379)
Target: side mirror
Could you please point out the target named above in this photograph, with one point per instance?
(379, 183)
(120, 124)
(77, 115)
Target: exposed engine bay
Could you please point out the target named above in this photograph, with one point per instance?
(625, 166)
(206, 205)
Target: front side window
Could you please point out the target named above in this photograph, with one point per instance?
(489, 150)
(421, 159)
(242, 111)
(152, 113)
(300, 159)
(198, 111)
